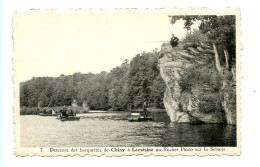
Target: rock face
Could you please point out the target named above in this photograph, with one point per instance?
(201, 103)
(229, 97)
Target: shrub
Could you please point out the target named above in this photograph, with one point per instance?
(195, 37)
(199, 76)
(209, 103)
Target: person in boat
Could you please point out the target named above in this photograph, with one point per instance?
(63, 112)
(38, 111)
(145, 109)
(71, 113)
(44, 110)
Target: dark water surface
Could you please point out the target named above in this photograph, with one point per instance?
(107, 130)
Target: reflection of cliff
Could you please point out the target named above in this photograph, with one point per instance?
(196, 92)
(199, 135)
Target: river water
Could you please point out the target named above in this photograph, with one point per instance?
(109, 130)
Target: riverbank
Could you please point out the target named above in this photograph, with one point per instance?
(158, 115)
(48, 110)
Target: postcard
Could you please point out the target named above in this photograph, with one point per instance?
(127, 82)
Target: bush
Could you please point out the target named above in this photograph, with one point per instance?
(195, 37)
(192, 45)
(29, 111)
(200, 76)
(209, 103)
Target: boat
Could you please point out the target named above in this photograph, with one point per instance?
(46, 114)
(70, 118)
(43, 114)
(136, 117)
(67, 115)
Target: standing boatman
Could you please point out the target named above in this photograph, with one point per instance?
(145, 109)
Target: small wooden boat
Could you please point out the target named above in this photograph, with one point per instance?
(140, 119)
(46, 114)
(70, 118)
(43, 114)
(136, 117)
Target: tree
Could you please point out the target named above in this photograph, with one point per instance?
(157, 92)
(24, 94)
(142, 75)
(117, 87)
(116, 90)
(220, 31)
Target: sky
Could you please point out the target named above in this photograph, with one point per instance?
(51, 44)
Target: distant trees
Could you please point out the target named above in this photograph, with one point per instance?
(118, 80)
(124, 85)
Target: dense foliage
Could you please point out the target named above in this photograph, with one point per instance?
(145, 82)
(125, 86)
(200, 76)
(195, 36)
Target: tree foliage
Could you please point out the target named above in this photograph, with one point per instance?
(194, 37)
(130, 83)
(146, 83)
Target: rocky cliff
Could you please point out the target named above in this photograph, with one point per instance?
(195, 92)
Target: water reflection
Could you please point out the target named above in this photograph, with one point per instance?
(199, 135)
(106, 130)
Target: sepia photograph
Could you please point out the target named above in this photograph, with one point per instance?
(157, 81)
